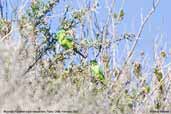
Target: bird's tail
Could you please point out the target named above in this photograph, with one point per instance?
(78, 52)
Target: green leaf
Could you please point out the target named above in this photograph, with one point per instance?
(121, 15)
(158, 74)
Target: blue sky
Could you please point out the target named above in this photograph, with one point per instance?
(157, 26)
(159, 23)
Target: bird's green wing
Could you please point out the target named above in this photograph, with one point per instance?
(69, 38)
(67, 43)
(101, 75)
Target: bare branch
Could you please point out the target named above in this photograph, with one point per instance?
(139, 34)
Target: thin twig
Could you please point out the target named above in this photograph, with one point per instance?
(4, 37)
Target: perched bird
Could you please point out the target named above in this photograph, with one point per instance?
(97, 71)
(66, 41)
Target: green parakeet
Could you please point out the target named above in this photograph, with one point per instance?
(66, 41)
(96, 70)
